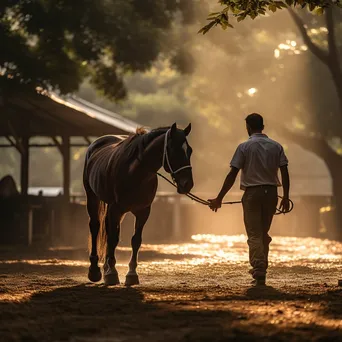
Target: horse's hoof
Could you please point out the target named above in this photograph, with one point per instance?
(111, 279)
(94, 274)
(132, 279)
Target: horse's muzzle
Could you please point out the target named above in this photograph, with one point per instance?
(185, 186)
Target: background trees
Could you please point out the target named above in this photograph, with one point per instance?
(286, 66)
(242, 9)
(57, 43)
(306, 102)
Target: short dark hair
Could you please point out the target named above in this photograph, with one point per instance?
(255, 121)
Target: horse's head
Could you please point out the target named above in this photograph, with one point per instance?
(177, 154)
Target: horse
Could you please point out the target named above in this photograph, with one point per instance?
(8, 187)
(120, 176)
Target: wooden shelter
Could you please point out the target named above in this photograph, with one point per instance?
(25, 114)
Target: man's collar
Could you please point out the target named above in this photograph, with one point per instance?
(258, 135)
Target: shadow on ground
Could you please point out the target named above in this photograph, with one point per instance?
(97, 313)
(62, 309)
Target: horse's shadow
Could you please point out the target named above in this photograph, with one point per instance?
(99, 313)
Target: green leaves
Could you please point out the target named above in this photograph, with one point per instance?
(217, 18)
(100, 39)
(206, 28)
(272, 7)
(241, 9)
(319, 11)
(280, 4)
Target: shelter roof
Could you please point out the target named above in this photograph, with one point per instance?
(49, 114)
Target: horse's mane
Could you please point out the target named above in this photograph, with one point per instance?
(153, 133)
(140, 131)
(133, 146)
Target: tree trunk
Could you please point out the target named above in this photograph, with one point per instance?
(321, 148)
(333, 60)
(335, 168)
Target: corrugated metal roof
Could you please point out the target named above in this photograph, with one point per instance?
(96, 112)
(48, 114)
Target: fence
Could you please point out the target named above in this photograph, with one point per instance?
(50, 221)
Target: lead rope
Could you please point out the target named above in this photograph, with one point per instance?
(204, 202)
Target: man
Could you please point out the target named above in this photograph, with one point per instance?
(259, 159)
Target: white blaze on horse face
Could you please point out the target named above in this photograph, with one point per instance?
(185, 148)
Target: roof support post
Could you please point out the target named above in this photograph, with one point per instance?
(65, 149)
(24, 166)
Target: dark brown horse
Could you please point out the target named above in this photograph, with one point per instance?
(8, 188)
(120, 176)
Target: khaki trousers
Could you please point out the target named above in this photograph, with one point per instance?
(259, 205)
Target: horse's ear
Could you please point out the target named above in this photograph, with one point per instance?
(187, 130)
(173, 129)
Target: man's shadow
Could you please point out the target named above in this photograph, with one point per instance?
(265, 292)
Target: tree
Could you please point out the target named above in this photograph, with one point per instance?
(241, 9)
(320, 36)
(322, 139)
(57, 43)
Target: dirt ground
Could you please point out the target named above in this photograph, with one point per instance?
(198, 291)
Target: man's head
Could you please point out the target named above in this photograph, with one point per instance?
(254, 123)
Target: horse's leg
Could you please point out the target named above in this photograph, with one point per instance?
(113, 218)
(140, 220)
(93, 202)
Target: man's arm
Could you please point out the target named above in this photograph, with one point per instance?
(228, 182)
(227, 185)
(285, 178)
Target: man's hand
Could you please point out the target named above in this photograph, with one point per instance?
(284, 205)
(215, 204)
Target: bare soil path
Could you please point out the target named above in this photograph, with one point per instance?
(198, 291)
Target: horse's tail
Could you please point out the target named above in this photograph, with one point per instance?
(102, 235)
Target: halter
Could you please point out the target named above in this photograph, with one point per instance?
(166, 157)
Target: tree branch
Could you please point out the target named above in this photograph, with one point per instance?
(316, 144)
(317, 51)
(331, 33)
(334, 61)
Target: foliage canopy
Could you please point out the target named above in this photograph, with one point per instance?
(241, 9)
(58, 43)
